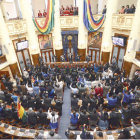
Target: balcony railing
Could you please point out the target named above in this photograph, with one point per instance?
(69, 21)
(122, 21)
(3, 59)
(138, 55)
(16, 26)
(119, 21)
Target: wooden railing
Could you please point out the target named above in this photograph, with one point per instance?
(3, 59)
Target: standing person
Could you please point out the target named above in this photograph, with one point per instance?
(53, 120)
(39, 14)
(127, 9)
(74, 118)
(44, 13)
(132, 9)
(104, 10)
(58, 90)
(122, 10)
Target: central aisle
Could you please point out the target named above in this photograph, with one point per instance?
(66, 110)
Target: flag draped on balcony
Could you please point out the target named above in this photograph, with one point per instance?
(49, 21)
(91, 24)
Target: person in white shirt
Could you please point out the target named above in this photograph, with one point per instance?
(29, 89)
(74, 89)
(53, 120)
(25, 74)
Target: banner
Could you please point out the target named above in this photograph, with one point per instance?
(49, 22)
(91, 24)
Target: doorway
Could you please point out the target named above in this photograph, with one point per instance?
(22, 52)
(47, 55)
(23, 58)
(118, 54)
(94, 53)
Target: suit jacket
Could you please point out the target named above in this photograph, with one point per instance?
(42, 117)
(32, 118)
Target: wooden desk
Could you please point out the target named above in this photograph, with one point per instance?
(17, 133)
(62, 64)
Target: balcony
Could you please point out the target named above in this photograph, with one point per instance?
(122, 21)
(138, 55)
(65, 21)
(2, 59)
(16, 27)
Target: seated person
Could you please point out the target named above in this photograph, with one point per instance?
(137, 129)
(125, 134)
(70, 135)
(52, 135)
(99, 135)
(85, 134)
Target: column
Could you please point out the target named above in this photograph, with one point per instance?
(106, 47)
(83, 33)
(7, 45)
(57, 37)
(27, 13)
(134, 38)
(100, 6)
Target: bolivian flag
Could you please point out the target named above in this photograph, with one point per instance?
(21, 112)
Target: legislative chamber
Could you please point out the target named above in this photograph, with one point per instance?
(69, 69)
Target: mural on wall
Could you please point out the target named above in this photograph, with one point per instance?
(45, 41)
(95, 39)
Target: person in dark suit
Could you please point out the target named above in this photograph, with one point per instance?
(58, 106)
(31, 102)
(32, 117)
(93, 118)
(104, 10)
(74, 103)
(47, 102)
(24, 101)
(83, 119)
(42, 117)
(38, 104)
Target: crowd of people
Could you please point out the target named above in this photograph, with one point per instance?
(128, 9)
(100, 94)
(68, 11)
(104, 101)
